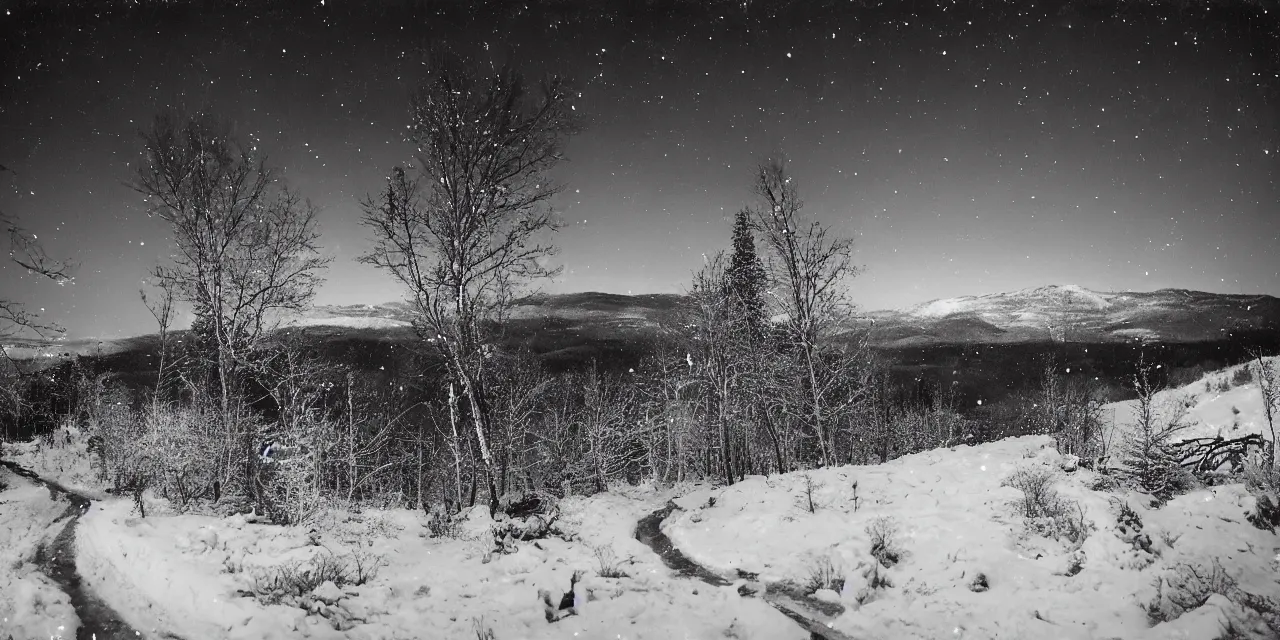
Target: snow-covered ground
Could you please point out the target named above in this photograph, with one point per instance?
(954, 521)
(191, 574)
(182, 574)
(31, 605)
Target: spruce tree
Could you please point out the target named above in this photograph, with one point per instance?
(745, 277)
(1150, 460)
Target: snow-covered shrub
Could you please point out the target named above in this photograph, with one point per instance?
(1266, 607)
(607, 562)
(1070, 409)
(884, 540)
(121, 431)
(290, 581)
(1067, 523)
(177, 444)
(1047, 513)
(1039, 499)
(1186, 587)
(440, 524)
(824, 574)
(1264, 484)
(482, 629)
(810, 487)
(1267, 373)
(1103, 482)
(1126, 518)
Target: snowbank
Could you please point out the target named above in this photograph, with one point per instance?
(954, 521)
(183, 574)
(31, 606)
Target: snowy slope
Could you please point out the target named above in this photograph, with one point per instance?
(181, 573)
(348, 322)
(955, 520)
(1213, 407)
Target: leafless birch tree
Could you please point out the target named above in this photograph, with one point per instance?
(246, 247)
(808, 268)
(471, 230)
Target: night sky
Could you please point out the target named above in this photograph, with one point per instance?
(970, 147)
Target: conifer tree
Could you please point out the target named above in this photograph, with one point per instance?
(1150, 461)
(745, 277)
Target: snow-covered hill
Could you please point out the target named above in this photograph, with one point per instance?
(1219, 404)
(953, 520)
(1076, 314)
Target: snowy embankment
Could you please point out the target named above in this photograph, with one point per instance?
(955, 521)
(64, 459)
(184, 574)
(1216, 405)
(31, 605)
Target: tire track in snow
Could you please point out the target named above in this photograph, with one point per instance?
(58, 561)
(794, 606)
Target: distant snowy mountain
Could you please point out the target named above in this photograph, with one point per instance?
(589, 321)
(1070, 313)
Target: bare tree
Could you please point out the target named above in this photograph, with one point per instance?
(808, 268)
(608, 440)
(26, 252)
(465, 236)
(246, 245)
(162, 310)
(1268, 376)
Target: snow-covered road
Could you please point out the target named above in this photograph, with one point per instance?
(40, 565)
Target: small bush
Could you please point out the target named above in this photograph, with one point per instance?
(607, 562)
(1259, 478)
(293, 580)
(811, 486)
(824, 575)
(1186, 587)
(441, 525)
(1039, 499)
(1126, 517)
(1266, 607)
(1047, 513)
(482, 629)
(1150, 461)
(1075, 564)
(1242, 376)
(884, 544)
(1103, 482)
(979, 583)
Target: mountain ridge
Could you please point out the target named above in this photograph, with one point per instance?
(1051, 313)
